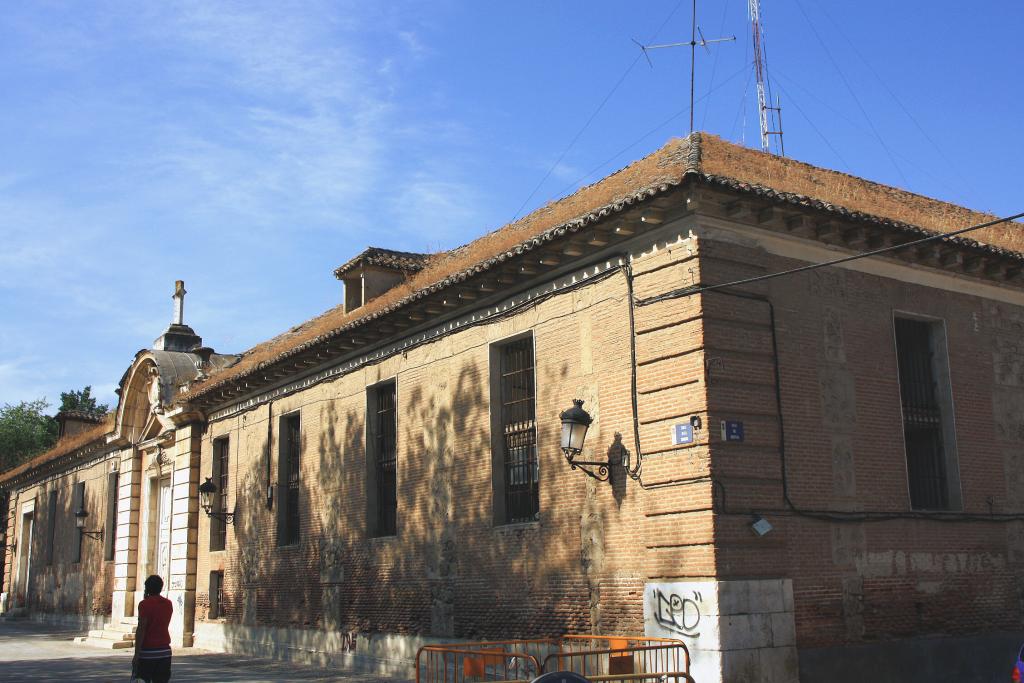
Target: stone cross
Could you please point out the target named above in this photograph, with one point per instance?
(179, 302)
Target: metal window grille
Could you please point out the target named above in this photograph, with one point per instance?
(51, 513)
(519, 427)
(386, 446)
(292, 494)
(110, 534)
(217, 605)
(78, 503)
(218, 527)
(922, 416)
(4, 524)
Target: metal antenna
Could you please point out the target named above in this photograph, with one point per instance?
(693, 43)
(763, 85)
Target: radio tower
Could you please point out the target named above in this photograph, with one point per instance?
(764, 95)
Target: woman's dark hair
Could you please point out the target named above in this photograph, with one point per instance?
(154, 584)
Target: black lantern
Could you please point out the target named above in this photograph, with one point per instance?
(80, 519)
(575, 423)
(207, 491)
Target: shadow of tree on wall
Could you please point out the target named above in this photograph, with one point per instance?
(63, 585)
(449, 571)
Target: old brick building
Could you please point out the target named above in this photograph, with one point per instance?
(806, 473)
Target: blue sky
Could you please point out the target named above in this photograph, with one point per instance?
(249, 148)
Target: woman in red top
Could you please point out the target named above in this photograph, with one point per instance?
(152, 662)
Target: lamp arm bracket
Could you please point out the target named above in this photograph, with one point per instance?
(582, 466)
(226, 517)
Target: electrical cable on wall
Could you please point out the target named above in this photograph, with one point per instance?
(791, 507)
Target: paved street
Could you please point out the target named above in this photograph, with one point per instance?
(38, 652)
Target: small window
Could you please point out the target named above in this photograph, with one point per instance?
(515, 467)
(217, 606)
(51, 512)
(288, 481)
(78, 503)
(927, 404)
(382, 459)
(110, 532)
(218, 526)
(5, 502)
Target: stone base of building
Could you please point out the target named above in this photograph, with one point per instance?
(382, 654)
(735, 630)
(987, 657)
(77, 622)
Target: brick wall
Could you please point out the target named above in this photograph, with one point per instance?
(859, 582)
(63, 586)
(450, 571)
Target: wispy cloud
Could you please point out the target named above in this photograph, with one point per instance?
(237, 145)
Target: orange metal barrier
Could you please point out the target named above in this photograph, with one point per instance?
(622, 659)
(598, 658)
(471, 662)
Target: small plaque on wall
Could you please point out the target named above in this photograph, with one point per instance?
(682, 434)
(732, 430)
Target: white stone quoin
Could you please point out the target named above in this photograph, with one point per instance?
(736, 630)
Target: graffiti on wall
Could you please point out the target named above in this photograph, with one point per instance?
(677, 612)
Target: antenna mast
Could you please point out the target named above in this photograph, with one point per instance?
(763, 88)
(693, 43)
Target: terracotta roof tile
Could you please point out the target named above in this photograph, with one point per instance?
(63, 447)
(701, 157)
(405, 261)
(83, 415)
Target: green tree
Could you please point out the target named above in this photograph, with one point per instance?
(82, 400)
(25, 431)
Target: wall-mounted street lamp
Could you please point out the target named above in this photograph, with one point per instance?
(80, 518)
(575, 423)
(207, 491)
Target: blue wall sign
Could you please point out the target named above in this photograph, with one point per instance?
(732, 430)
(682, 434)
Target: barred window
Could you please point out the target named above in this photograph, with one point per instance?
(218, 527)
(110, 532)
(78, 503)
(51, 513)
(382, 489)
(288, 481)
(5, 501)
(927, 416)
(217, 605)
(516, 424)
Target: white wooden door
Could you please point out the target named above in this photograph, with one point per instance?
(162, 564)
(25, 557)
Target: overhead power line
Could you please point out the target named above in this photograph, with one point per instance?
(586, 125)
(853, 93)
(637, 141)
(698, 289)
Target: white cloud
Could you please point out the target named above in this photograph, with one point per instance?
(249, 141)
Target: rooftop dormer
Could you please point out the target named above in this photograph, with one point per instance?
(374, 272)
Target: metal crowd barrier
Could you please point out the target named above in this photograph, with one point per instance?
(622, 659)
(471, 662)
(598, 658)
